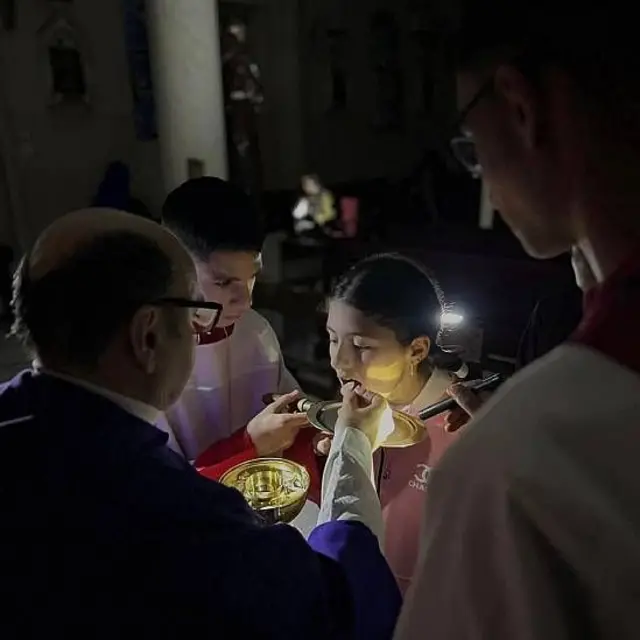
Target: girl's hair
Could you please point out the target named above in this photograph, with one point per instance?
(399, 294)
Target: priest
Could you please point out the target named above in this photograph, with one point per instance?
(106, 532)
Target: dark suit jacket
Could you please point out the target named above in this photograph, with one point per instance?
(106, 533)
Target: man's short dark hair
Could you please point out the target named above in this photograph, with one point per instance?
(209, 214)
(72, 313)
(595, 43)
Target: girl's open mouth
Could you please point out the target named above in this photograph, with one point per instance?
(356, 383)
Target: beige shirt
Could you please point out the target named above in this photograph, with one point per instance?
(532, 528)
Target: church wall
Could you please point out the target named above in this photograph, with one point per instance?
(351, 143)
(56, 155)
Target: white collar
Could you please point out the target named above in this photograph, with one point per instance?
(433, 391)
(135, 407)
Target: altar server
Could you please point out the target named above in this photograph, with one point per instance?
(221, 419)
(532, 527)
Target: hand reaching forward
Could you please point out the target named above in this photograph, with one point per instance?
(367, 412)
(273, 430)
(469, 402)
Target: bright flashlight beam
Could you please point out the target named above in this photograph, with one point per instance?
(450, 319)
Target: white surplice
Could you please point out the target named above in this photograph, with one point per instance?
(532, 528)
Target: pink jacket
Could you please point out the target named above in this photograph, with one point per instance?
(403, 482)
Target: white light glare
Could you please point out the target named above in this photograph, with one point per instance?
(451, 319)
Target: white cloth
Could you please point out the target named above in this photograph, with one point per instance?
(348, 486)
(226, 387)
(532, 527)
(307, 519)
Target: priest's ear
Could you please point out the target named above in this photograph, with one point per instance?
(144, 330)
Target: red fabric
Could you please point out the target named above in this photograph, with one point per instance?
(217, 470)
(239, 443)
(612, 316)
(223, 455)
(349, 216)
(217, 334)
(237, 448)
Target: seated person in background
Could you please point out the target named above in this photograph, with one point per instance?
(315, 209)
(105, 530)
(384, 327)
(220, 419)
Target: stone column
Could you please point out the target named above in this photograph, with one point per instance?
(187, 70)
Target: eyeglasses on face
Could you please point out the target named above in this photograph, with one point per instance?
(204, 315)
(462, 144)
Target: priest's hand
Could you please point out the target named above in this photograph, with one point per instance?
(273, 430)
(367, 412)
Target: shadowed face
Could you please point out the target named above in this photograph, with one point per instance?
(239, 31)
(228, 277)
(523, 141)
(174, 339)
(310, 186)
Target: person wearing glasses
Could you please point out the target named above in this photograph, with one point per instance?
(532, 529)
(221, 419)
(106, 531)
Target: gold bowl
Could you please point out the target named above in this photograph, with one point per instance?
(274, 487)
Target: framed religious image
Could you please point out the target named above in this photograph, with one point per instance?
(67, 74)
(66, 68)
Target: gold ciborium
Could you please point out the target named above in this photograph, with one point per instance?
(274, 487)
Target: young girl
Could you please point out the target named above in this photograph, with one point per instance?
(384, 324)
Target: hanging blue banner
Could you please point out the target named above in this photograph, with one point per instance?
(137, 45)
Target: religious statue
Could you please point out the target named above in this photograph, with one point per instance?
(243, 101)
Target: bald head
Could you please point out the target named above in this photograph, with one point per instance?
(86, 277)
(73, 231)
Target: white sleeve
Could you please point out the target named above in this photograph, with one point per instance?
(286, 381)
(484, 570)
(348, 486)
